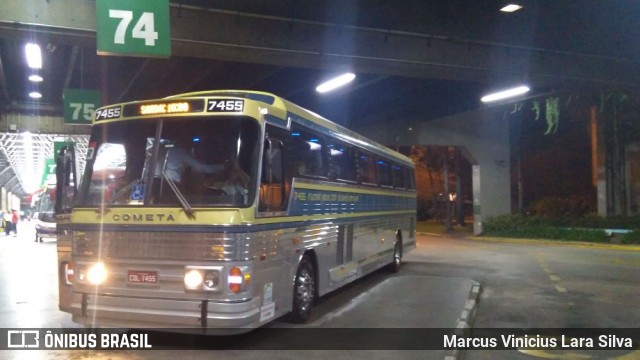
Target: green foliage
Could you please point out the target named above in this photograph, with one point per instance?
(539, 227)
(562, 208)
(552, 114)
(536, 110)
(632, 237)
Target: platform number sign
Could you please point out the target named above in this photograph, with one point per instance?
(80, 105)
(133, 27)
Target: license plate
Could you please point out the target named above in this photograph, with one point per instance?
(142, 277)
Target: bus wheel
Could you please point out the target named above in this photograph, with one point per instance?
(304, 291)
(397, 256)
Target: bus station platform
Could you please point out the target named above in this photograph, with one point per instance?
(381, 304)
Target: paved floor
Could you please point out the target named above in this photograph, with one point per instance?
(390, 303)
(524, 285)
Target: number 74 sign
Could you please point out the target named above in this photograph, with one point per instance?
(133, 27)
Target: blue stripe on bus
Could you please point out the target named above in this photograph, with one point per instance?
(320, 202)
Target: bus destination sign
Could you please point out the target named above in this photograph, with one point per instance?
(163, 108)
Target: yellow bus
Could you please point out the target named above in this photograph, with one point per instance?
(224, 210)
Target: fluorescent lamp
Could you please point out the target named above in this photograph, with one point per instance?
(505, 94)
(35, 78)
(35, 95)
(34, 56)
(335, 82)
(511, 8)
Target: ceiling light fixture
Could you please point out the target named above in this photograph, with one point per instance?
(34, 55)
(505, 94)
(511, 8)
(335, 82)
(35, 78)
(35, 95)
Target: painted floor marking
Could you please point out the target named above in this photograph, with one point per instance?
(554, 278)
(560, 289)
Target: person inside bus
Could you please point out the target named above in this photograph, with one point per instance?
(174, 159)
(233, 180)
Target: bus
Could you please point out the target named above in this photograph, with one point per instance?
(281, 207)
(45, 218)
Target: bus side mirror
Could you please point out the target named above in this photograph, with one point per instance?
(66, 179)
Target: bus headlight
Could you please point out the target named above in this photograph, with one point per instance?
(211, 279)
(193, 279)
(203, 278)
(97, 274)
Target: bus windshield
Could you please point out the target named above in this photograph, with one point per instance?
(45, 206)
(208, 162)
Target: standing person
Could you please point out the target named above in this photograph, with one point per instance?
(14, 219)
(7, 221)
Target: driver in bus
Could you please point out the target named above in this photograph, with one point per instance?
(175, 159)
(233, 180)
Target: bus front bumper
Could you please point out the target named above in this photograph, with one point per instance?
(136, 312)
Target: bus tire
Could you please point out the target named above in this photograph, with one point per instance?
(396, 262)
(304, 291)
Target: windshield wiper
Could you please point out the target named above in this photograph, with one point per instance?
(183, 201)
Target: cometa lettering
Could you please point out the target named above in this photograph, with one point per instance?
(144, 217)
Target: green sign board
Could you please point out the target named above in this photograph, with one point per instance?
(49, 171)
(80, 105)
(133, 27)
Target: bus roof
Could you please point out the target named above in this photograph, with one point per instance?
(305, 117)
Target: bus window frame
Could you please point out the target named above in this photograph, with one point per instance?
(267, 170)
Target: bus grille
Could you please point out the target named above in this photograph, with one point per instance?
(159, 245)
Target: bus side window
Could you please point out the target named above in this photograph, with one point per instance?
(366, 168)
(272, 189)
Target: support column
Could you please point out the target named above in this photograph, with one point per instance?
(598, 161)
(477, 213)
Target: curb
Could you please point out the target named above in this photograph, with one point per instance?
(465, 321)
(579, 244)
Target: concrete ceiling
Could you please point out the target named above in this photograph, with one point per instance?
(432, 58)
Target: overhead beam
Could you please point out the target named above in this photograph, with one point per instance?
(284, 41)
(133, 80)
(72, 64)
(4, 92)
(5, 170)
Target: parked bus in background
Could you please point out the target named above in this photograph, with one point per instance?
(224, 210)
(44, 216)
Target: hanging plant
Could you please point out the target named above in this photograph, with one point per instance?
(552, 115)
(536, 109)
(516, 107)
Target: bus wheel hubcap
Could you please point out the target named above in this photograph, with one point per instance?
(305, 289)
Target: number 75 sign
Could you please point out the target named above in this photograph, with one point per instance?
(80, 105)
(133, 27)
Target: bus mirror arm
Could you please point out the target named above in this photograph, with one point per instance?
(183, 201)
